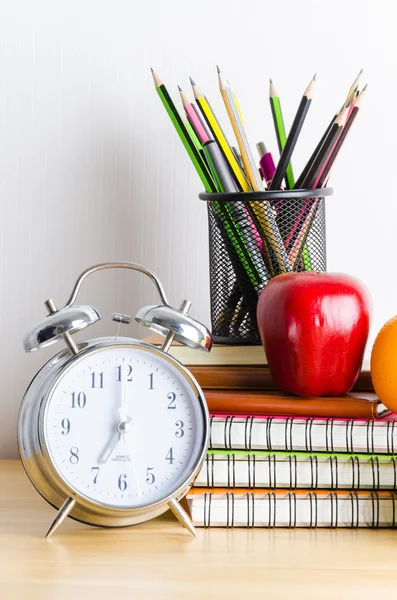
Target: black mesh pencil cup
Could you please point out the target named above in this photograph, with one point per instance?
(252, 238)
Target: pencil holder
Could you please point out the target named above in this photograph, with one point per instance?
(253, 237)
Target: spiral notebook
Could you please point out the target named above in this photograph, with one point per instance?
(281, 508)
(241, 469)
(294, 434)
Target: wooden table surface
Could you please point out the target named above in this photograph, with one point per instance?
(160, 560)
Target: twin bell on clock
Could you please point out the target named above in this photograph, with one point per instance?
(112, 431)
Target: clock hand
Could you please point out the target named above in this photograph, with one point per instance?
(123, 406)
(122, 428)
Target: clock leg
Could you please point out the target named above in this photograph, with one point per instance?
(182, 516)
(61, 516)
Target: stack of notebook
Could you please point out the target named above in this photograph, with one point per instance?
(279, 461)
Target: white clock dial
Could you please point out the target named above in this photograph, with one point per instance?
(123, 427)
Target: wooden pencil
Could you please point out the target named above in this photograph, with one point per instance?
(293, 136)
(279, 128)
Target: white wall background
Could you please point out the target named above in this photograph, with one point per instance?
(91, 169)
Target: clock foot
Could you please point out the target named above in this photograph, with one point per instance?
(182, 516)
(61, 516)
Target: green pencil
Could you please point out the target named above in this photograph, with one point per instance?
(280, 131)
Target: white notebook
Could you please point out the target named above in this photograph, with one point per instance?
(256, 469)
(305, 434)
(268, 508)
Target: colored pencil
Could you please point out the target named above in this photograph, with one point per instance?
(279, 127)
(194, 119)
(263, 212)
(350, 120)
(184, 135)
(219, 136)
(293, 136)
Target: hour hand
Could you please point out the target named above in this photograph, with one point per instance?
(122, 428)
(109, 448)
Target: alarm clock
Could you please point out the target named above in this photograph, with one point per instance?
(112, 431)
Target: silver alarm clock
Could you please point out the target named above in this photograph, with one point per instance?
(112, 431)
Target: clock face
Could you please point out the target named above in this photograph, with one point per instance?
(123, 427)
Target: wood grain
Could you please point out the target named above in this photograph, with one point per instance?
(160, 560)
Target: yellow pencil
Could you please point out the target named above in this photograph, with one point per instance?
(219, 136)
(263, 211)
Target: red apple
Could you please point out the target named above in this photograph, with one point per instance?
(314, 327)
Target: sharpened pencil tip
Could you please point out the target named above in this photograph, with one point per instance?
(270, 80)
(364, 88)
(191, 81)
(361, 72)
(179, 88)
(218, 69)
(151, 68)
(314, 76)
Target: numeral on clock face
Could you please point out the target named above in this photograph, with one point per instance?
(74, 455)
(65, 426)
(170, 456)
(97, 380)
(127, 375)
(96, 471)
(123, 482)
(79, 399)
(150, 478)
(172, 397)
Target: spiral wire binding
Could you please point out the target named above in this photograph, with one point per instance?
(229, 509)
(314, 473)
(393, 501)
(308, 435)
(207, 509)
(251, 475)
(292, 518)
(349, 435)
(248, 436)
(329, 427)
(250, 510)
(354, 501)
(370, 437)
(269, 422)
(231, 473)
(228, 432)
(313, 499)
(292, 471)
(334, 511)
(375, 472)
(289, 421)
(375, 510)
(390, 437)
(355, 462)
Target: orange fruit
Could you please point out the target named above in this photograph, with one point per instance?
(384, 364)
